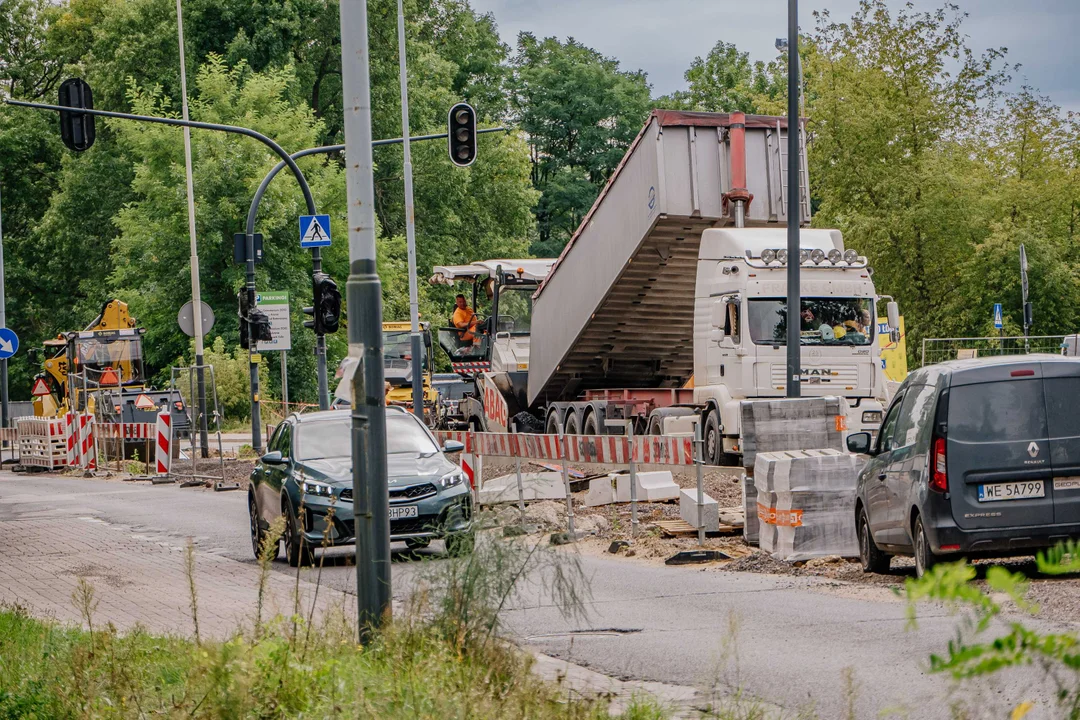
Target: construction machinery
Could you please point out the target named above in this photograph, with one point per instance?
(398, 364)
(100, 370)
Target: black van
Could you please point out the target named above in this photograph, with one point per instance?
(974, 458)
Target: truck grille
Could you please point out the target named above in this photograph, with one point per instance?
(839, 375)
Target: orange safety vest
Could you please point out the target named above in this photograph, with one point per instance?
(465, 318)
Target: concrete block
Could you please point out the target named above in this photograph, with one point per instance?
(601, 492)
(655, 486)
(535, 486)
(688, 510)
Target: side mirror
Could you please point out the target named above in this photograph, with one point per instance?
(894, 335)
(859, 443)
(892, 310)
(453, 446)
(273, 458)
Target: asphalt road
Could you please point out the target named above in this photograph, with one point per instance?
(792, 641)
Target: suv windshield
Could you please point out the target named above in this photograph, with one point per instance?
(331, 438)
(825, 321)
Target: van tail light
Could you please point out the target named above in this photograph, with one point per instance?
(939, 480)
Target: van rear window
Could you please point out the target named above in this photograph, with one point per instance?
(997, 411)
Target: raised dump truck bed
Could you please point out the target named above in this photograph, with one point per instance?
(617, 309)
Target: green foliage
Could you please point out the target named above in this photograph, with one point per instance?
(724, 81)
(232, 376)
(580, 113)
(970, 656)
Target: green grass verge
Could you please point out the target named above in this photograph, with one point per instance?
(410, 671)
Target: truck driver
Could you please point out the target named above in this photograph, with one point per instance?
(464, 319)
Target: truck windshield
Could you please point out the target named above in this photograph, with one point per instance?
(824, 321)
(515, 309)
(110, 360)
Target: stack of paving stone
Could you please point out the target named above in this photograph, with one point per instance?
(806, 503)
(784, 424)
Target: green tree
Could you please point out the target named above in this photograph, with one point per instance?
(580, 113)
(726, 80)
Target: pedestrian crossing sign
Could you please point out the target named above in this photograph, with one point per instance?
(314, 231)
(997, 316)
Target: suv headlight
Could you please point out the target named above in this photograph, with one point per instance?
(453, 478)
(311, 487)
(871, 417)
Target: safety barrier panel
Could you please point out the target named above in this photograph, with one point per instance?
(42, 442)
(582, 449)
(126, 431)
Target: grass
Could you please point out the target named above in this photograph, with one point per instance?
(440, 659)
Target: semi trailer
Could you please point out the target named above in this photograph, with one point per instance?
(668, 307)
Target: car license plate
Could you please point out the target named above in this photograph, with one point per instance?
(1067, 483)
(407, 511)
(992, 492)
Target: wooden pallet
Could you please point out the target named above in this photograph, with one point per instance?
(678, 528)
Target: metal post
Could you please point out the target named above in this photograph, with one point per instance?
(4, 411)
(698, 462)
(410, 224)
(565, 445)
(633, 480)
(794, 211)
(521, 488)
(284, 386)
(371, 512)
(253, 366)
(196, 293)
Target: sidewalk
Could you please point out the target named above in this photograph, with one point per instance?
(138, 580)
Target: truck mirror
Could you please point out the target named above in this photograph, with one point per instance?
(719, 314)
(892, 310)
(894, 335)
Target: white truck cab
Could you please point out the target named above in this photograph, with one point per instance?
(740, 325)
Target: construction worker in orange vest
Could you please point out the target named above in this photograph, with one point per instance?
(465, 320)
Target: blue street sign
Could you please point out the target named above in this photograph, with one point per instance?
(9, 343)
(998, 324)
(314, 231)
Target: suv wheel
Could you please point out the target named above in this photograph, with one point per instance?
(258, 535)
(924, 556)
(296, 552)
(873, 560)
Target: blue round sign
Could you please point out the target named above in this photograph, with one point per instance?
(9, 343)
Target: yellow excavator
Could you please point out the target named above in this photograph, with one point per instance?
(100, 370)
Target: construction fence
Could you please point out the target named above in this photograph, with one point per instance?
(625, 450)
(936, 350)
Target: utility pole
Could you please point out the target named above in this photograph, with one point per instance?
(794, 211)
(371, 509)
(5, 415)
(410, 226)
(196, 291)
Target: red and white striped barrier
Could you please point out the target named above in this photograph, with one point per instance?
(127, 431)
(163, 450)
(42, 442)
(71, 439)
(583, 449)
(87, 448)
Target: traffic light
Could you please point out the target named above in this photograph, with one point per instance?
(326, 313)
(462, 131)
(252, 316)
(76, 129)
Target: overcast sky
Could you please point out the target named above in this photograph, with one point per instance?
(661, 37)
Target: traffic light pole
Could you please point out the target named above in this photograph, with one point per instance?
(371, 511)
(410, 226)
(320, 339)
(256, 425)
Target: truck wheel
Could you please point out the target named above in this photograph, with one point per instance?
(714, 442)
(656, 426)
(592, 425)
(553, 424)
(571, 427)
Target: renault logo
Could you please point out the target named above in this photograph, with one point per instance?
(1033, 449)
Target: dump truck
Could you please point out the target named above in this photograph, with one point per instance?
(100, 370)
(668, 305)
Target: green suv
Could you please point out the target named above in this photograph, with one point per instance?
(306, 475)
